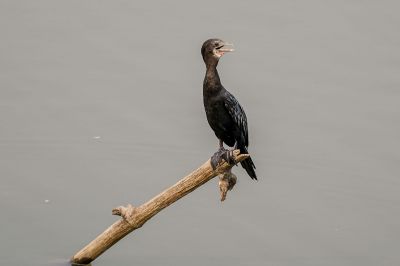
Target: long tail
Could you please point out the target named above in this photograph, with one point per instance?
(248, 164)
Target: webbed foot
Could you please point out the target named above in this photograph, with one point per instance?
(222, 154)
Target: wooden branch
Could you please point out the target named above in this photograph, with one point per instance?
(134, 217)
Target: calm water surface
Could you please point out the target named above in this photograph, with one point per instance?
(101, 105)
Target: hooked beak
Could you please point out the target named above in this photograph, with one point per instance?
(226, 47)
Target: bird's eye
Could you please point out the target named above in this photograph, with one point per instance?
(218, 46)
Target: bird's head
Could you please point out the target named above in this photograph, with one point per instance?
(213, 49)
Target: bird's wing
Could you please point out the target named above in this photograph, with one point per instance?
(238, 115)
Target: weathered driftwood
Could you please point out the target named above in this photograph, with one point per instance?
(134, 217)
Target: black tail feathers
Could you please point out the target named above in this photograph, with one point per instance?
(248, 164)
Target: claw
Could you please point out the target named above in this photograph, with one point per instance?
(222, 154)
(233, 157)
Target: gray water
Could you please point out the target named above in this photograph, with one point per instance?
(101, 105)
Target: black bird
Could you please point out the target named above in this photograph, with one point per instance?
(224, 113)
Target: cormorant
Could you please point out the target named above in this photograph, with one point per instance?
(224, 113)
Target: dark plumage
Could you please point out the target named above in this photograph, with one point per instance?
(224, 113)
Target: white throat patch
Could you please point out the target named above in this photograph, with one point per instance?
(218, 53)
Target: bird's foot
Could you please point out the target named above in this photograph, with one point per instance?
(222, 154)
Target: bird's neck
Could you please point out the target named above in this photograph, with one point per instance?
(211, 80)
